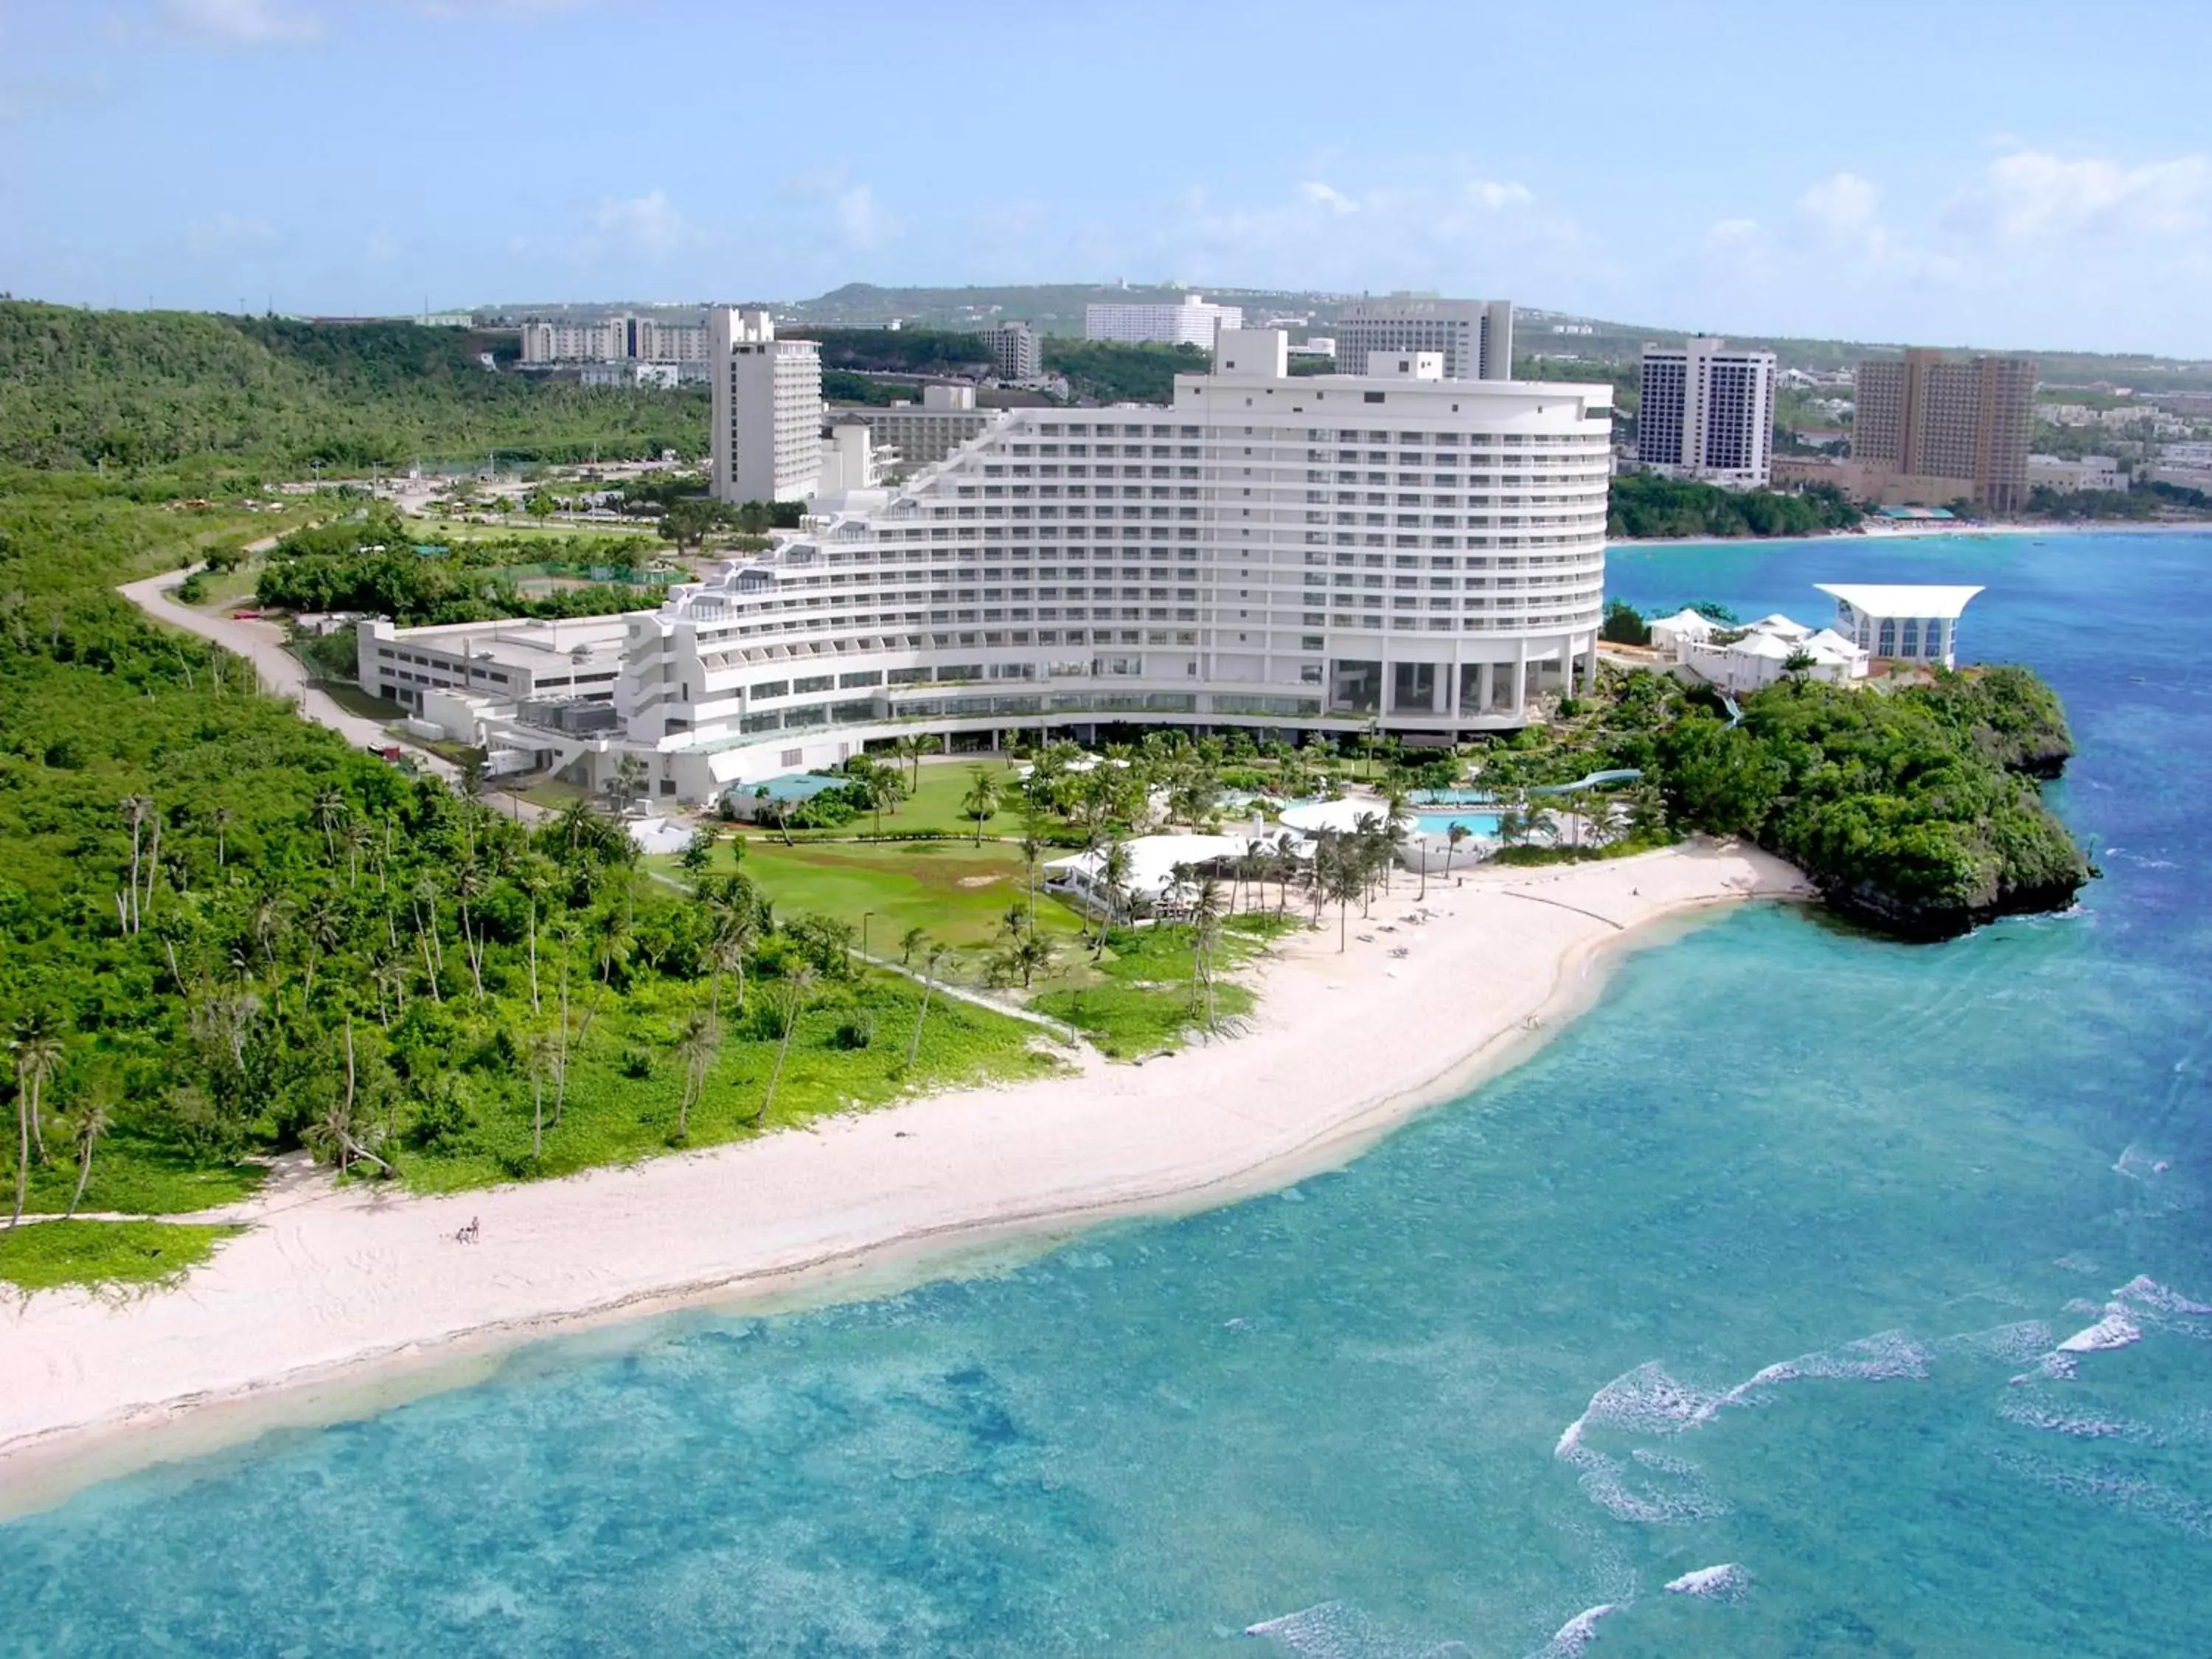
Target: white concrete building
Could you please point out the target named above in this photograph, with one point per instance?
(924, 434)
(623, 337)
(767, 433)
(573, 659)
(1707, 413)
(1329, 552)
(2068, 478)
(850, 459)
(1017, 354)
(1192, 322)
(1474, 335)
(1901, 621)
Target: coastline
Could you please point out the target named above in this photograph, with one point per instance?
(341, 1301)
(1913, 530)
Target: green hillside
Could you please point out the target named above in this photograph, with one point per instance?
(135, 389)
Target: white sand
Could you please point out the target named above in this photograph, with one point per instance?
(329, 1285)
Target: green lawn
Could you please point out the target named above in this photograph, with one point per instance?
(936, 805)
(1144, 1003)
(955, 891)
(48, 1254)
(131, 1174)
(844, 1054)
(355, 701)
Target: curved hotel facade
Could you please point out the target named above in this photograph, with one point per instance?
(1393, 549)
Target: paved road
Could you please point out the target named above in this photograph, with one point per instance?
(263, 644)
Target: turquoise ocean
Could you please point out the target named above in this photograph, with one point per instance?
(1860, 1292)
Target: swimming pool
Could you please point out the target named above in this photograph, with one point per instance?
(1450, 797)
(1482, 825)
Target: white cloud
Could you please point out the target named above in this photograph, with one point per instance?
(2032, 195)
(1491, 193)
(1843, 204)
(1732, 230)
(1429, 232)
(649, 222)
(860, 219)
(1327, 195)
(241, 22)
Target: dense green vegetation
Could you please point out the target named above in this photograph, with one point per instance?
(222, 932)
(1648, 508)
(104, 1255)
(376, 562)
(160, 389)
(1108, 372)
(1914, 808)
(926, 351)
(2140, 504)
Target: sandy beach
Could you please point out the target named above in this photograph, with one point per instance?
(330, 1289)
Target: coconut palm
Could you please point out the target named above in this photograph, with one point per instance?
(700, 1041)
(535, 875)
(980, 803)
(909, 942)
(86, 1125)
(930, 961)
(36, 1045)
(792, 998)
(328, 809)
(221, 818)
(1453, 836)
(471, 882)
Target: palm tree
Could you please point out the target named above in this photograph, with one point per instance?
(325, 930)
(1114, 868)
(135, 809)
(1206, 913)
(37, 1046)
(471, 882)
(611, 940)
(539, 1054)
(910, 941)
(982, 800)
(221, 818)
(736, 926)
(1456, 834)
(535, 877)
(700, 1041)
(329, 808)
(89, 1125)
(791, 1001)
(935, 955)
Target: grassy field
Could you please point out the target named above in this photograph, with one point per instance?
(626, 1076)
(1142, 1001)
(954, 891)
(935, 807)
(135, 1174)
(49, 1254)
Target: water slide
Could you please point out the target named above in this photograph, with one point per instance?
(1596, 780)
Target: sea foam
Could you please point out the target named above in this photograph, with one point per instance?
(1726, 1583)
(1577, 1633)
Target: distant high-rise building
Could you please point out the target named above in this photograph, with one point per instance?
(1475, 336)
(1016, 352)
(1932, 428)
(766, 437)
(1193, 322)
(1707, 412)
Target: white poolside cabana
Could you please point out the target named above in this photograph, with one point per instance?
(1339, 817)
(1669, 634)
(1154, 861)
(1905, 622)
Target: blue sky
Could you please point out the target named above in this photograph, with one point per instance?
(1949, 171)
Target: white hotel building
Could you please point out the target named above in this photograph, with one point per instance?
(1395, 550)
(1192, 322)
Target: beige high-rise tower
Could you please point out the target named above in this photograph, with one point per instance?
(1932, 428)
